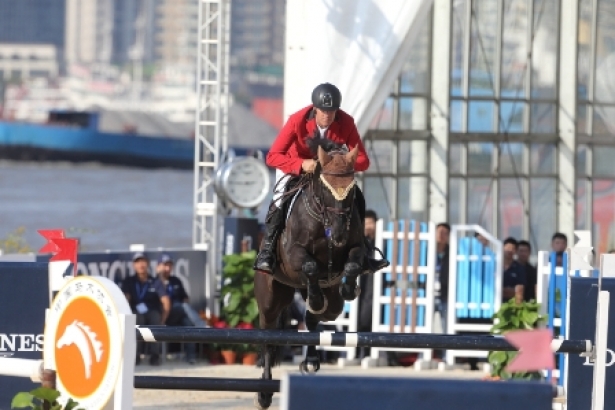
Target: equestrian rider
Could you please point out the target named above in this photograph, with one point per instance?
(291, 156)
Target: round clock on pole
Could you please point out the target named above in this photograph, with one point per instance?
(243, 182)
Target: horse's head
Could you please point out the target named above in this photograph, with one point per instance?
(337, 179)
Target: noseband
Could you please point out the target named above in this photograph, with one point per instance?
(339, 211)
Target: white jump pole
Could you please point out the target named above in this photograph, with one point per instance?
(602, 329)
(607, 267)
(21, 368)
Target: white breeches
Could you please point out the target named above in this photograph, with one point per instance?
(280, 186)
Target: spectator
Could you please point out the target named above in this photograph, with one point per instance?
(513, 282)
(524, 250)
(366, 282)
(443, 231)
(148, 300)
(559, 243)
(177, 294)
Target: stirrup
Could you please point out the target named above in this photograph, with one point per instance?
(375, 265)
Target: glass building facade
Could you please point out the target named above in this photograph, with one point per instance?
(520, 160)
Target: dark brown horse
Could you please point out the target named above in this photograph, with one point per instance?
(320, 252)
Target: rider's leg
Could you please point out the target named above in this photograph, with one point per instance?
(274, 224)
(370, 264)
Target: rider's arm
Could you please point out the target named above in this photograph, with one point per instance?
(353, 140)
(278, 156)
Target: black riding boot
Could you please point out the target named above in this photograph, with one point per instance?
(274, 223)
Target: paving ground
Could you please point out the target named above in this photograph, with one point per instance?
(167, 399)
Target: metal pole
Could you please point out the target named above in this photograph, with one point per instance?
(206, 384)
(214, 384)
(361, 339)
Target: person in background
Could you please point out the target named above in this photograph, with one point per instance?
(513, 283)
(611, 251)
(148, 300)
(524, 250)
(559, 243)
(177, 294)
(443, 232)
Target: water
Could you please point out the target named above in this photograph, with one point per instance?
(106, 207)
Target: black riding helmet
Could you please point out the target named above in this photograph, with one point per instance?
(327, 97)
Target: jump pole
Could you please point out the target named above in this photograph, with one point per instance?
(206, 384)
(154, 334)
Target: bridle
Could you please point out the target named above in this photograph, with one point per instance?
(337, 210)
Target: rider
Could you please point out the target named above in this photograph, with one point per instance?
(291, 156)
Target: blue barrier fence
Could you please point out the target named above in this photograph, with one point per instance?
(398, 275)
(476, 265)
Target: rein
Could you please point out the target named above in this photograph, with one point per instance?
(340, 212)
(321, 211)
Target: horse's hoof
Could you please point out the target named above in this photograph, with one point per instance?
(262, 401)
(309, 366)
(349, 293)
(314, 309)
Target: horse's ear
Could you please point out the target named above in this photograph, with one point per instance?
(323, 157)
(352, 155)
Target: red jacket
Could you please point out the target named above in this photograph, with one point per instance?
(290, 149)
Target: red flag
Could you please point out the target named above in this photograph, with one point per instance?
(50, 234)
(535, 351)
(67, 251)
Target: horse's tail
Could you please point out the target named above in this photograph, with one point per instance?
(276, 352)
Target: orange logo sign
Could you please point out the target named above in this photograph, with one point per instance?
(82, 347)
(86, 335)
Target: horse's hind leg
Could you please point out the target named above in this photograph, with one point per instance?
(272, 298)
(311, 364)
(352, 269)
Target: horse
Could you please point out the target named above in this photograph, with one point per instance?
(320, 252)
(80, 335)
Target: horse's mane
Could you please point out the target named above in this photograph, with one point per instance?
(325, 143)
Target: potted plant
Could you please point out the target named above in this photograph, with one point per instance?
(228, 352)
(42, 398)
(249, 353)
(513, 316)
(240, 309)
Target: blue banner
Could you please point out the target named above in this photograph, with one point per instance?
(583, 302)
(189, 267)
(24, 296)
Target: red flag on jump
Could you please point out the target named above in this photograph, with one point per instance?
(535, 352)
(50, 234)
(64, 249)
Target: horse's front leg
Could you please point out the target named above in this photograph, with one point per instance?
(316, 300)
(311, 364)
(352, 269)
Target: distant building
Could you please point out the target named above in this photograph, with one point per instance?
(134, 23)
(89, 31)
(257, 32)
(33, 22)
(257, 48)
(19, 61)
(176, 31)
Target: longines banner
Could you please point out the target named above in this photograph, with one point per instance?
(583, 296)
(24, 296)
(189, 267)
